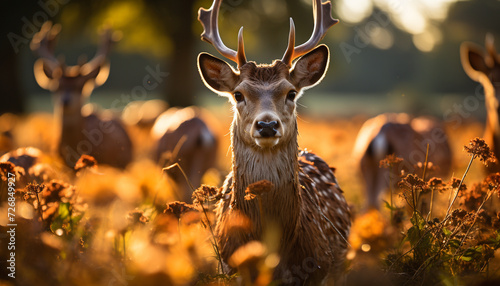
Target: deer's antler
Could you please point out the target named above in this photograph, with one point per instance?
(43, 44)
(322, 22)
(107, 39)
(490, 49)
(208, 19)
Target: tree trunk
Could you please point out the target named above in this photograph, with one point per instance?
(11, 95)
(182, 64)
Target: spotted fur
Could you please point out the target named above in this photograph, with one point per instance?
(316, 248)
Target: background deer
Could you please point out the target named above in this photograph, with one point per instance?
(183, 137)
(484, 67)
(305, 201)
(101, 136)
(405, 137)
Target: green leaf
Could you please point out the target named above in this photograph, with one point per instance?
(446, 231)
(64, 211)
(56, 224)
(417, 220)
(388, 206)
(466, 258)
(75, 219)
(454, 243)
(413, 235)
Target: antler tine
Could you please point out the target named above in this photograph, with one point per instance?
(490, 47)
(288, 56)
(323, 20)
(107, 40)
(209, 21)
(43, 43)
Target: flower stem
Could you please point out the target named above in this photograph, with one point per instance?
(460, 185)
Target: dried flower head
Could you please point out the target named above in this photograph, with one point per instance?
(137, 217)
(472, 199)
(492, 182)
(390, 161)
(455, 182)
(57, 191)
(5, 169)
(495, 222)
(206, 193)
(34, 188)
(178, 209)
(412, 181)
(259, 188)
(250, 196)
(458, 215)
(478, 148)
(86, 162)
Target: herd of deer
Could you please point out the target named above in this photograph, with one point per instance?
(305, 202)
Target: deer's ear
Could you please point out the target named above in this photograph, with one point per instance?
(216, 74)
(473, 60)
(311, 68)
(46, 76)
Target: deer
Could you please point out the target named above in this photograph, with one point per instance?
(81, 131)
(305, 201)
(405, 137)
(182, 136)
(484, 67)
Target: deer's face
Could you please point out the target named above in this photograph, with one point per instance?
(70, 85)
(264, 96)
(479, 64)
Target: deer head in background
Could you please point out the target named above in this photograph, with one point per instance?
(71, 84)
(483, 66)
(100, 136)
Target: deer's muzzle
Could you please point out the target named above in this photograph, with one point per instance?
(267, 129)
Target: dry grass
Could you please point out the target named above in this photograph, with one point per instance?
(102, 226)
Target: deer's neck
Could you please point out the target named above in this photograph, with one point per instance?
(281, 206)
(71, 126)
(492, 130)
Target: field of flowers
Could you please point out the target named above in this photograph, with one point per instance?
(95, 225)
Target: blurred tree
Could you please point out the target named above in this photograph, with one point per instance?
(18, 25)
(163, 29)
(176, 19)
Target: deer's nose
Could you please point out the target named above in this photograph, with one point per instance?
(267, 129)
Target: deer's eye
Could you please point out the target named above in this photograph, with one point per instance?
(291, 95)
(239, 96)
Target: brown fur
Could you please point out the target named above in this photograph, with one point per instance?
(184, 137)
(306, 203)
(106, 140)
(405, 137)
(264, 73)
